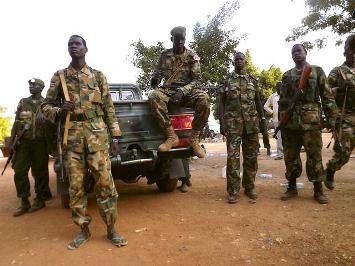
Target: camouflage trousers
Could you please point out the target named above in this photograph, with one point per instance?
(292, 141)
(31, 154)
(342, 154)
(250, 144)
(197, 99)
(106, 195)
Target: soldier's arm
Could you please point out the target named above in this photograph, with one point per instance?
(157, 74)
(221, 103)
(333, 80)
(328, 102)
(108, 107)
(258, 103)
(51, 104)
(196, 76)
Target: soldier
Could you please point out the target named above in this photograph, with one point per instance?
(264, 130)
(92, 116)
(179, 67)
(342, 81)
(31, 151)
(240, 109)
(304, 127)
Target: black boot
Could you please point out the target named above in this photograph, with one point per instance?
(329, 179)
(232, 198)
(268, 151)
(25, 206)
(318, 193)
(251, 194)
(291, 191)
(81, 238)
(37, 205)
(115, 238)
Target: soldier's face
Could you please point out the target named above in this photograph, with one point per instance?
(298, 54)
(178, 42)
(34, 89)
(76, 47)
(239, 61)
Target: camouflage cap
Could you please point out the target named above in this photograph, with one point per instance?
(178, 31)
(36, 82)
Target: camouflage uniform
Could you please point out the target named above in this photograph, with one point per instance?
(347, 129)
(241, 125)
(188, 80)
(32, 151)
(304, 127)
(88, 141)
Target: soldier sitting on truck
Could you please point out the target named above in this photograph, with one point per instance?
(179, 67)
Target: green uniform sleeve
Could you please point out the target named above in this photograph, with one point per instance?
(328, 102)
(51, 104)
(108, 107)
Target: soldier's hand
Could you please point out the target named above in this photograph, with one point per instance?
(40, 119)
(176, 98)
(114, 148)
(222, 130)
(68, 106)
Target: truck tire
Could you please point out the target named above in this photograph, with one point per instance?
(167, 184)
(65, 201)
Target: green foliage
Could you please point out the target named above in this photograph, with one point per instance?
(268, 80)
(145, 58)
(251, 68)
(334, 15)
(5, 123)
(215, 45)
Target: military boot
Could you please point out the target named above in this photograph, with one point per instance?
(195, 144)
(251, 194)
(268, 151)
(291, 191)
(318, 193)
(81, 238)
(171, 140)
(232, 198)
(37, 205)
(115, 238)
(25, 206)
(329, 179)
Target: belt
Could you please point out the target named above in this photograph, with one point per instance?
(78, 117)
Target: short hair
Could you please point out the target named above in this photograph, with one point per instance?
(78, 36)
(238, 53)
(304, 48)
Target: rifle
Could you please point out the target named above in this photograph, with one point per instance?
(59, 168)
(296, 97)
(14, 146)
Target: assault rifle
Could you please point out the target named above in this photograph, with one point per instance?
(16, 142)
(296, 97)
(59, 167)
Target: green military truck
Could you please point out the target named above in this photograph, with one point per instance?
(139, 156)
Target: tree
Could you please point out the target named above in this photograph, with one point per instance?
(334, 15)
(268, 80)
(5, 123)
(145, 58)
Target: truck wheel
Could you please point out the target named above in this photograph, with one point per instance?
(65, 201)
(167, 184)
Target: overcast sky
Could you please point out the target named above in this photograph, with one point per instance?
(35, 33)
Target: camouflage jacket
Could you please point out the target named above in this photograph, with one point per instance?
(26, 113)
(189, 75)
(317, 97)
(241, 104)
(89, 91)
(338, 86)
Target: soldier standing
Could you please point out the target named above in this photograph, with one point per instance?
(92, 115)
(240, 109)
(264, 130)
(304, 127)
(342, 81)
(179, 67)
(31, 151)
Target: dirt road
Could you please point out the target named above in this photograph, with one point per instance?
(195, 228)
